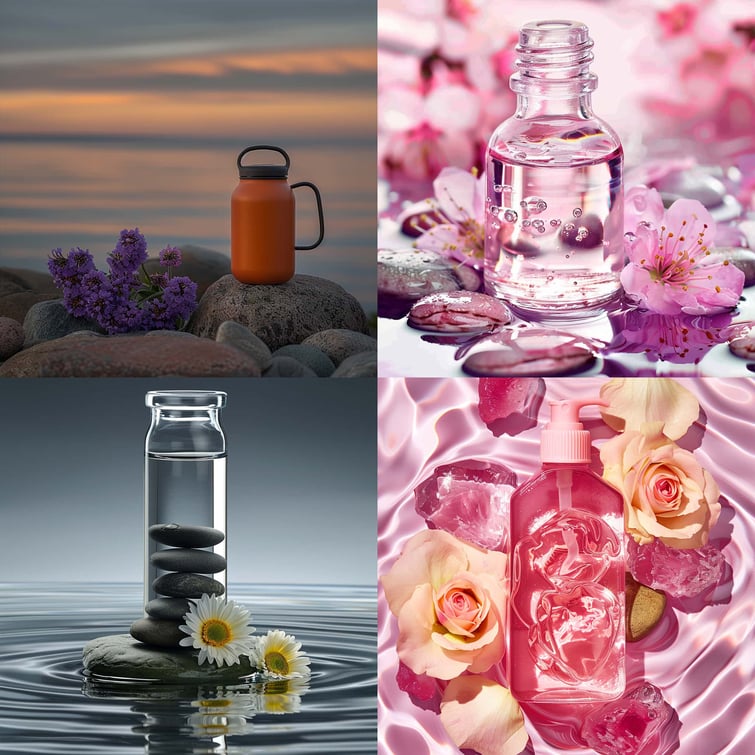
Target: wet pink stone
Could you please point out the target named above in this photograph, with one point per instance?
(425, 691)
(680, 573)
(510, 405)
(469, 499)
(625, 726)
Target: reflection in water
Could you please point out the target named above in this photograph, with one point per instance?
(48, 706)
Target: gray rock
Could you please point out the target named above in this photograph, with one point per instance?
(204, 266)
(185, 535)
(11, 337)
(744, 259)
(287, 367)
(186, 585)
(279, 315)
(188, 560)
(172, 609)
(240, 337)
(122, 657)
(47, 320)
(359, 365)
(339, 344)
(405, 276)
(17, 304)
(86, 354)
(693, 183)
(316, 359)
(159, 632)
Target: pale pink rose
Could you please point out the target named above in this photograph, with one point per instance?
(449, 598)
(667, 494)
(673, 270)
(479, 714)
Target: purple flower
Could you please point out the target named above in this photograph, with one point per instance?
(170, 256)
(159, 279)
(129, 252)
(70, 268)
(180, 296)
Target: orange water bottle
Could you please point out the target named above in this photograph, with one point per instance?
(263, 220)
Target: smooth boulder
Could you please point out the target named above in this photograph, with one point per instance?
(158, 632)
(185, 535)
(178, 585)
(188, 560)
(11, 337)
(278, 314)
(162, 352)
(48, 320)
(339, 343)
(173, 609)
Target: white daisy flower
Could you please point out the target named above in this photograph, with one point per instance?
(279, 655)
(218, 629)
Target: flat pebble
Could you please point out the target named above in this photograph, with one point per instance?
(743, 346)
(188, 560)
(359, 365)
(742, 258)
(187, 585)
(539, 356)
(310, 356)
(284, 366)
(173, 609)
(185, 535)
(159, 632)
(458, 312)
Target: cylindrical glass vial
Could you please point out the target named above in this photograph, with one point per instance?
(554, 206)
(185, 501)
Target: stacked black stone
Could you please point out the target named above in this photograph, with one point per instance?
(187, 565)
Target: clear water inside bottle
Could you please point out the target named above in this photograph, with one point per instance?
(554, 217)
(184, 489)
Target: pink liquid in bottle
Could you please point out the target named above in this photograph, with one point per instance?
(554, 206)
(566, 611)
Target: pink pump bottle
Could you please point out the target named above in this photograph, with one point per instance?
(566, 611)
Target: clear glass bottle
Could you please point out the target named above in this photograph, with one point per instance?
(554, 206)
(184, 501)
(566, 610)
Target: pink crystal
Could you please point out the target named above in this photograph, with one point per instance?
(469, 499)
(425, 691)
(680, 573)
(510, 405)
(624, 726)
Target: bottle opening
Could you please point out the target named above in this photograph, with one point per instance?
(186, 399)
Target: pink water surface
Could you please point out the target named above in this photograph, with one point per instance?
(702, 661)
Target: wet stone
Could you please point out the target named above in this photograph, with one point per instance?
(458, 312)
(123, 657)
(536, 357)
(188, 560)
(743, 346)
(744, 259)
(187, 585)
(585, 232)
(185, 535)
(159, 632)
(644, 609)
(173, 609)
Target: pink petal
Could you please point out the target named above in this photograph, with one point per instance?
(452, 107)
(455, 191)
(400, 109)
(697, 217)
(481, 715)
(443, 239)
(642, 204)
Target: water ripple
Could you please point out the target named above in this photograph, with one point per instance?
(48, 705)
(702, 659)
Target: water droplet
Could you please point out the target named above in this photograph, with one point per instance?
(526, 223)
(495, 209)
(555, 222)
(569, 227)
(577, 213)
(510, 216)
(567, 256)
(523, 204)
(549, 278)
(630, 237)
(540, 228)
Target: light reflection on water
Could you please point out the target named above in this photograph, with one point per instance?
(48, 706)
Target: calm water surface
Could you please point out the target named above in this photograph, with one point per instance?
(48, 706)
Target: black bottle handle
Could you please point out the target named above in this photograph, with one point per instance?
(264, 146)
(319, 214)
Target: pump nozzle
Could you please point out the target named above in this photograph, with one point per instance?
(564, 439)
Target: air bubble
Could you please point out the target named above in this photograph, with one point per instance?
(535, 205)
(569, 227)
(523, 204)
(498, 188)
(577, 213)
(510, 216)
(540, 228)
(526, 223)
(494, 210)
(555, 222)
(520, 155)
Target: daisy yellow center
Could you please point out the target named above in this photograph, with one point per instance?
(276, 663)
(216, 632)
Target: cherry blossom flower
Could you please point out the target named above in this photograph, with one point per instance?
(451, 222)
(673, 270)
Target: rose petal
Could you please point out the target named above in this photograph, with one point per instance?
(481, 715)
(635, 401)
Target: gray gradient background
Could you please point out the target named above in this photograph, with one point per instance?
(301, 479)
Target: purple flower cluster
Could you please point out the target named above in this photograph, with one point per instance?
(126, 298)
